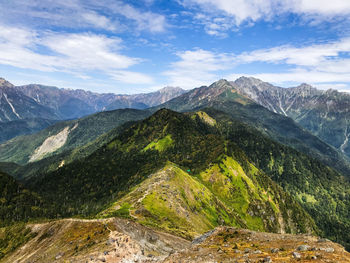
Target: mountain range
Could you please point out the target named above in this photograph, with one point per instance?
(30, 108)
(236, 154)
(325, 113)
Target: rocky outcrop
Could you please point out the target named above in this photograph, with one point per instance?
(119, 240)
(239, 245)
(109, 240)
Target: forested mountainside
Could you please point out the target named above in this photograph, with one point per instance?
(224, 96)
(242, 196)
(65, 136)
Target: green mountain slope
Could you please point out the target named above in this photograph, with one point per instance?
(223, 194)
(65, 136)
(11, 129)
(224, 96)
(322, 191)
(17, 202)
(240, 194)
(217, 151)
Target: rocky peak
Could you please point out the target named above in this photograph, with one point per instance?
(305, 89)
(221, 84)
(249, 80)
(5, 83)
(170, 89)
(247, 83)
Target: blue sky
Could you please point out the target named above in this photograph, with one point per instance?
(141, 46)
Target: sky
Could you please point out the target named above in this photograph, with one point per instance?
(138, 46)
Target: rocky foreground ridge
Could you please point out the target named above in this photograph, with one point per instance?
(121, 240)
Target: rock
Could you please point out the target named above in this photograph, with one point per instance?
(110, 241)
(257, 252)
(59, 255)
(152, 237)
(101, 259)
(237, 251)
(203, 237)
(303, 248)
(267, 260)
(322, 240)
(247, 250)
(329, 250)
(296, 255)
(275, 250)
(313, 257)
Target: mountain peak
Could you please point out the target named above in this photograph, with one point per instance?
(5, 83)
(250, 80)
(220, 83)
(305, 86)
(169, 89)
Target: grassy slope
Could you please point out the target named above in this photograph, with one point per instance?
(322, 191)
(173, 200)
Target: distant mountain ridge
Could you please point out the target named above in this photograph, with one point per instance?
(46, 104)
(15, 105)
(325, 113)
(72, 104)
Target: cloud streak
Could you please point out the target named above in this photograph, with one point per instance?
(219, 16)
(74, 53)
(114, 16)
(196, 67)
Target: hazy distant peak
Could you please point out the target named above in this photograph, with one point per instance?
(305, 86)
(170, 89)
(249, 79)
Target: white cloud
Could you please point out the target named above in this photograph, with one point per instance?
(197, 67)
(318, 64)
(88, 51)
(233, 13)
(110, 15)
(131, 77)
(313, 55)
(77, 54)
(145, 20)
